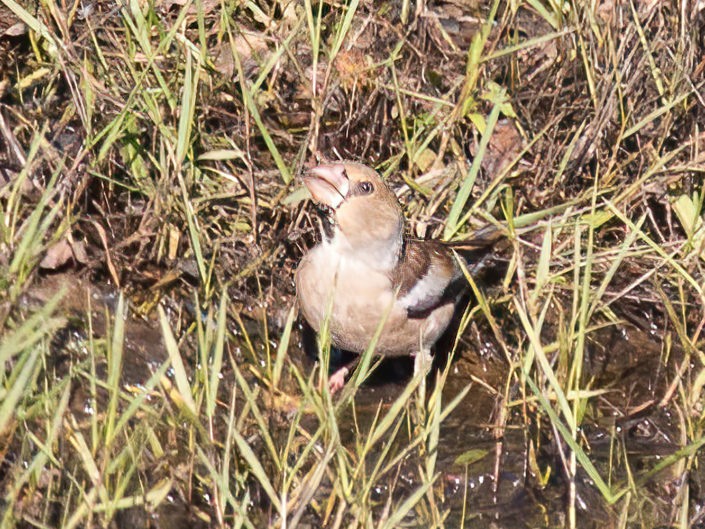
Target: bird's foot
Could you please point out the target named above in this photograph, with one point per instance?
(337, 380)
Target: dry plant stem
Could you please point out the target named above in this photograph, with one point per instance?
(120, 117)
(499, 430)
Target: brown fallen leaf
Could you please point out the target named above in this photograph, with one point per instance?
(60, 253)
(505, 145)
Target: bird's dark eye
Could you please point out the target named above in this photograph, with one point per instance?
(366, 187)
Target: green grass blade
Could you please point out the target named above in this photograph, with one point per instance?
(469, 181)
(182, 383)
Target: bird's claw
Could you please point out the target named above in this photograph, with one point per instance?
(337, 380)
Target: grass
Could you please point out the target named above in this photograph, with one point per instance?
(151, 222)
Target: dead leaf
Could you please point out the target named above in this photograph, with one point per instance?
(505, 145)
(60, 253)
(15, 30)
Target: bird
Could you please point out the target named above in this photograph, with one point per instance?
(365, 269)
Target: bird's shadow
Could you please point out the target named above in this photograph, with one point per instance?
(393, 369)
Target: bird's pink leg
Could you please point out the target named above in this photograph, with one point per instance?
(337, 380)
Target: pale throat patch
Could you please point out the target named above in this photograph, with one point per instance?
(382, 256)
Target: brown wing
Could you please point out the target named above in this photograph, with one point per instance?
(426, 276)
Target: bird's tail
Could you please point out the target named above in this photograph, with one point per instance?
(483, 252)
(483, 238)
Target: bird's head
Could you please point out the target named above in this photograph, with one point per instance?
(367, 218)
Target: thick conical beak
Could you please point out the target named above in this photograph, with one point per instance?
(328, 184)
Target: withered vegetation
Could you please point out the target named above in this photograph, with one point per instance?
(154, 373)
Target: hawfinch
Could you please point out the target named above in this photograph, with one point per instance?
(365, 268)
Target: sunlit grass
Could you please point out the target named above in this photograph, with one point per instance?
(182, 186)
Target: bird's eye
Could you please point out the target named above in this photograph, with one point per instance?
(366, 187)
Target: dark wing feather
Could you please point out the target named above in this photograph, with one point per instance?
(426, 276)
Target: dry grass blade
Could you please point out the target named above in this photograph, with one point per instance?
(114, 369)
(257, 470)
(402, 510)
(240, 506)
(34, 469)
(283, 347)
(582, 457)
(149, 149)
(185, 398)
(21, 379)
(215, 362)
